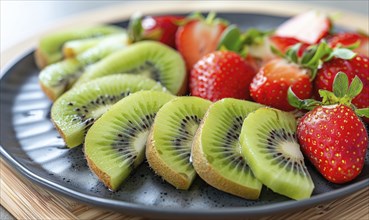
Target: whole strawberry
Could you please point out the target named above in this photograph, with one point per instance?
(331, 135)
(357, 66)
(271, 83)
(221, 74)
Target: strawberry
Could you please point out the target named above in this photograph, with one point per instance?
(158, 28)
(270, 85)
(221, 74)
(285, 43)
(331, 135)
(357, 66)
(309, 27)
(199, 37)
(347, 39)
(161, 28)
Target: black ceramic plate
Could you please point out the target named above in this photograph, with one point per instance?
(30, 143)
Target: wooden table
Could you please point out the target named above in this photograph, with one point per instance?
(25, 200)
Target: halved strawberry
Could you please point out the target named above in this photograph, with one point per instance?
(221, 74)
(309, 27)
(346, 39)
(199, 37)
(285, 43)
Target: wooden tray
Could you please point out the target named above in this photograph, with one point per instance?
(25, 200)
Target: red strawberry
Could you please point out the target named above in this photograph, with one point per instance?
(309, 27)
(221, 74)
(358, 66)
(284, 43)
(198, 38)
(271, 83)
(335, 141)
(332, 136)
(161, 28)
(347, 39)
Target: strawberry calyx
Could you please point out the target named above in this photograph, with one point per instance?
(233, 39)
(135, 29)
(210, 19)
(343, 93)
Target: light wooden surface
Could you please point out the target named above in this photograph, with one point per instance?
(26, 200)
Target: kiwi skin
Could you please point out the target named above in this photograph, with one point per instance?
(103, 177)
(205, 170)
(152, 155)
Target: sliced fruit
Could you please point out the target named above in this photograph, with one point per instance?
(148, 58)
(50, 47)
(168, 148)
(216, 152)
(115, 144)
(76, 110)
(56, 78)
(74, 47)
(309, 27)
(199, 37)
(269, 144)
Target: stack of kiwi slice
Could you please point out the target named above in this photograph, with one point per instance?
(50, 48)
(117, 99)
(56, 78)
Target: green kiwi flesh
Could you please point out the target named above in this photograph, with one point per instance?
(216, 152)
(74, 47)
(269, 143)
(50, 47)
(115, 144)
(76, 110)
(152, 59)
(168, 147)
(56, 78)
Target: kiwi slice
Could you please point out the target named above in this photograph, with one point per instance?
(74, 47)
(115, 144)
(56, 78)
(148, 58)
(76, 110)
(216, 152)
(50, 47)
(169, 145)
(269, 143)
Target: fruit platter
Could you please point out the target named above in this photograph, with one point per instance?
(200, 114)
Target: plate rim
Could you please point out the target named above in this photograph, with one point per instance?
(145, 210)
